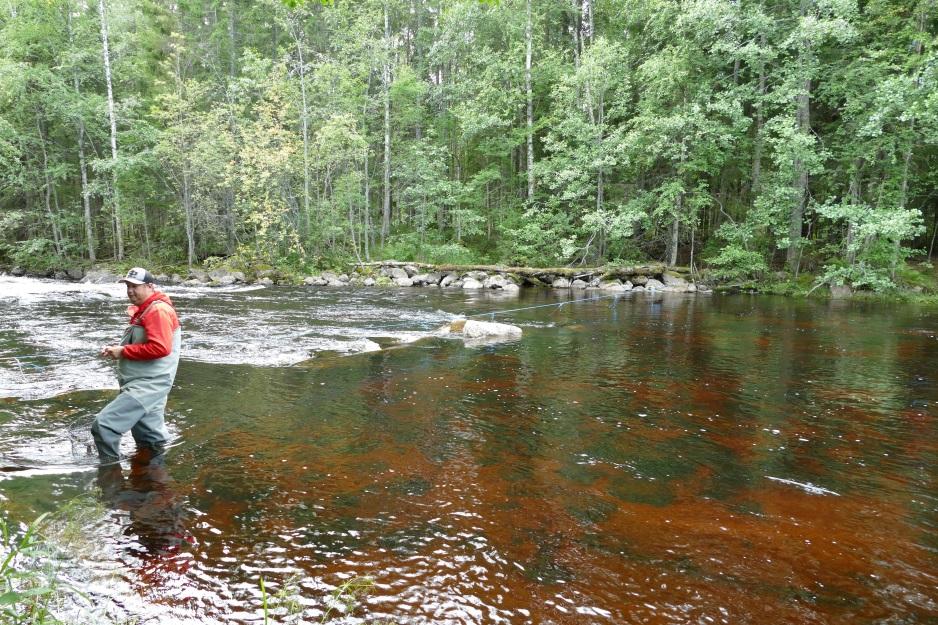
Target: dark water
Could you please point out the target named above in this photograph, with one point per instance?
(677, 459)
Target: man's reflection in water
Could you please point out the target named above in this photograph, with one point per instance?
(157, 513)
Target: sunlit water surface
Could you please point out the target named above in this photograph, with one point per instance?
(641, 459)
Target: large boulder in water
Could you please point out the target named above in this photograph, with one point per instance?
(99, 277)
(198, 274)
(476, 332)
(224, 277)
(473, 329)
(396, 273)
(674, 281)
(614, 286)
(497, 281)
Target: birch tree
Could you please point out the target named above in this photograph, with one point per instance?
(112, 118)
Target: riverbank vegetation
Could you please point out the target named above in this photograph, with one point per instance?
(742, 139)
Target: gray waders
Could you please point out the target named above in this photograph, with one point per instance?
(138, 408)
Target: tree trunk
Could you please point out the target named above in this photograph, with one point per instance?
(756, 185)
(386, 87)
(56, 233)
(800, 182)
(351, 229)
(367, 193)
(903, 198)
(297, 31)
(82, 161)
(854, 192)
(366, 176)
(800, 185)
(232, 40)
(85, 190)
(586, 24)
(674, 234)
(530, 101)
(115, 195)
(600, 120)
(187, 205)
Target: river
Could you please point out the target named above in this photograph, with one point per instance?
(639, 459)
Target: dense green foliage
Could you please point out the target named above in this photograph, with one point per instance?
(744, 136)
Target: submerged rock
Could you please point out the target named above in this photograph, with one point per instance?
(363, 345)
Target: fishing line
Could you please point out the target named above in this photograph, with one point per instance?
(19, 360)
(557, 304)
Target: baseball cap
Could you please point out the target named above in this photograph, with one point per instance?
(138, 275)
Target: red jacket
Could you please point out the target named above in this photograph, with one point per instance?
(158, 318)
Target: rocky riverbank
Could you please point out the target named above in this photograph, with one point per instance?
(403, 275)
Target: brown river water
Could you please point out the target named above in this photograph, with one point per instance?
(643, 459)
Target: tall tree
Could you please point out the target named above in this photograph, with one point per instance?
(112, 118)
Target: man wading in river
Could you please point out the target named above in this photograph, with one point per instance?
(147, 358)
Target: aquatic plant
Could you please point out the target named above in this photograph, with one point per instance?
(31, 557)
(348, 595)
(28, 587)
(345, 598)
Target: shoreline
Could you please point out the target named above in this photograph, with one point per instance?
(392, 273)
(402, 274)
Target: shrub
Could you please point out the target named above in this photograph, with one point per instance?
(736, 263)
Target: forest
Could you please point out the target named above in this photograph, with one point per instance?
(737, 137)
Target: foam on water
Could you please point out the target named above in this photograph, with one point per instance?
(51, 331)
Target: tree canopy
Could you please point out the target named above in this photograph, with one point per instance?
(740, 136)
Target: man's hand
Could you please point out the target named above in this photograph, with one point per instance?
(111, 351)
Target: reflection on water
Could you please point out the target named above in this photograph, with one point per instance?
(145, 492)
(670, 460)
